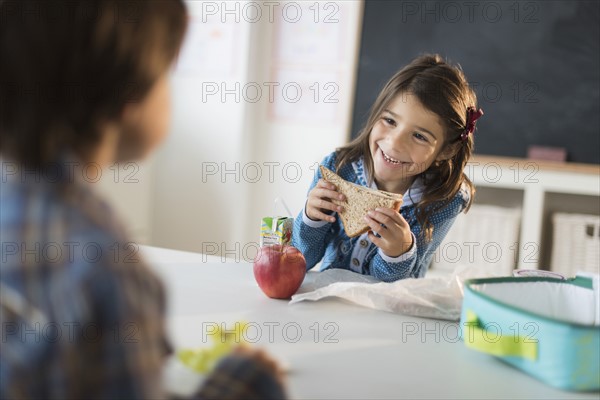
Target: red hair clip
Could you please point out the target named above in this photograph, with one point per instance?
(472, 116)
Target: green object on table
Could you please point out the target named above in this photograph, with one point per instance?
(500, 345)
(203, 360)
(276, 230)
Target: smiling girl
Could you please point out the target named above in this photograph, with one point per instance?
(417, 141)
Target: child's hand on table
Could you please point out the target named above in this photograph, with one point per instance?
(231, 356)
(319, 205)
(225, 343)
(395, 235)
(263, 359)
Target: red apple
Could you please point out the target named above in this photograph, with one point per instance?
(279, 270)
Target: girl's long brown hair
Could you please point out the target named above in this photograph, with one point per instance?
(443, 89)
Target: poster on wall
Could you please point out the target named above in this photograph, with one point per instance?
(308, 54)
(209, 49)
(305, 94)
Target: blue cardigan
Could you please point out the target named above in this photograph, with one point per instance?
(326, 241)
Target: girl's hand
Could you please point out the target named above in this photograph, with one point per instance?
(319, 206)
(396, 238)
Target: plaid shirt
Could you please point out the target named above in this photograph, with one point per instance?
(82, 315)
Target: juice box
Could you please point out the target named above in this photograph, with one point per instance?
(276, 230)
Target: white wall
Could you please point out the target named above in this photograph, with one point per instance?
(129, 186)
(185, 199)
(302, 141)
(187, 211)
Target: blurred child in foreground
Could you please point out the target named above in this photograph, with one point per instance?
(84, 85)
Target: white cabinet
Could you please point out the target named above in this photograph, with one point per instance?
(539, 189)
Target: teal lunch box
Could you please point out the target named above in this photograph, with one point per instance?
(546, 327)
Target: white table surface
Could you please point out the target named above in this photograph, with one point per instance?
(336, 350)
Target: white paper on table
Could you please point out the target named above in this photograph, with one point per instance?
(435, 297)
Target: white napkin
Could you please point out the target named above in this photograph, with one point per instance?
(434, 297)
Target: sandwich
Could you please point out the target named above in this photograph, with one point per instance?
(359, 200)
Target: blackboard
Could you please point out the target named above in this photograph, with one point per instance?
(535, 66)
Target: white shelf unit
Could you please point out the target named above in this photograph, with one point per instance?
(540, 189)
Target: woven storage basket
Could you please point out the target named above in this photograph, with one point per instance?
(486, 235)
(575, 244)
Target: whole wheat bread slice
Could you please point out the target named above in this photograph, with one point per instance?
(359, 200)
